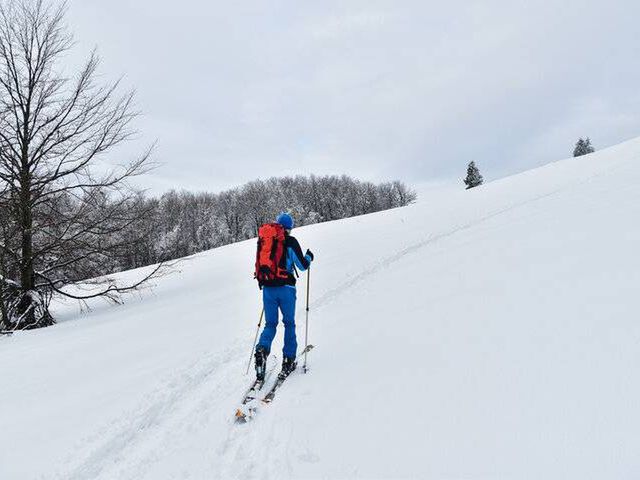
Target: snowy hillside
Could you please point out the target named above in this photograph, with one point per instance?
(490, 333)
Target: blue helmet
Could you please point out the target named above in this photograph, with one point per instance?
(285, 220)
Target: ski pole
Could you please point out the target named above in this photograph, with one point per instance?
(254, 342)
(306, 325)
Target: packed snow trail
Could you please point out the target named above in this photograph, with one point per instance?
(484, 333)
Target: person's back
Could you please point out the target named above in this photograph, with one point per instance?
(279, 294)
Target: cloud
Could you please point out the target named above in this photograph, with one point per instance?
(339, 26)
(376, 89)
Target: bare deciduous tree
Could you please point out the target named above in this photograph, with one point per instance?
(60, 212)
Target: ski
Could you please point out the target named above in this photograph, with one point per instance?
(242, 413)
(253, 390)
(268, 398)
(271, 394)
(246, 410)
(249, 406)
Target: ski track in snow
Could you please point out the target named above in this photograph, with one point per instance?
(178, 397)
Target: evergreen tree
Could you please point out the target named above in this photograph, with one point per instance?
(473, 176)
(583, 147)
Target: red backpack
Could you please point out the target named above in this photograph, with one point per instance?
(270, 257)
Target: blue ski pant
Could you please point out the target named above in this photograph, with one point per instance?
(284, 299)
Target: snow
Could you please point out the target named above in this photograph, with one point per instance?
(489, 333)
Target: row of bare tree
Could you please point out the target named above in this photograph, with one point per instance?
(182, 223)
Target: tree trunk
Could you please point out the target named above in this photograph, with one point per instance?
(27, 274)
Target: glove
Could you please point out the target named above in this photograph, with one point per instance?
(310, 254)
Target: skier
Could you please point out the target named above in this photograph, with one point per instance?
(279, 292)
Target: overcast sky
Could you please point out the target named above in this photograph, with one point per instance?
(414, 90)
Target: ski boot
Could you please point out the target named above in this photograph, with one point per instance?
(261, 362)
(288, 365)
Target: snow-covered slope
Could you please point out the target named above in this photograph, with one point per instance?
(490, 333)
